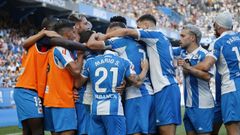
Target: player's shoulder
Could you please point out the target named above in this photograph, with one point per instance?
(59, 49)
(89, 60)
(202, 50)
(225, 37)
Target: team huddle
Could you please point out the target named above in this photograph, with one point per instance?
(76, 81)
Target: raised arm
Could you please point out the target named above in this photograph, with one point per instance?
(95, 43)
(122, 32)
(33, 39)
(68, 44)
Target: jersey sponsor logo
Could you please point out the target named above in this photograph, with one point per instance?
(105, 96)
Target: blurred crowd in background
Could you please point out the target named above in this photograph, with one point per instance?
(199, 12)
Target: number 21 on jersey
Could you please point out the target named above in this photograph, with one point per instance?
(103, 78)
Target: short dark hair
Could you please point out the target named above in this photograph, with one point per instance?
(85, 35)
(63, 23)
(147, 17)
(117, 24)
(118, 19)
(49, 22)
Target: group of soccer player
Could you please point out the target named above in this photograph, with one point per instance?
(76, 81)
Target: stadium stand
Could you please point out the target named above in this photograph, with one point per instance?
(174, 14)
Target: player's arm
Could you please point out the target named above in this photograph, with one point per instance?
(63, 58)
(137, 80)
(211, 58)
(83, 78)
(121, 32)
(206, 64)
(68, 44)
(74, 67)
(95, 44)
(139, 34)
(33, 39)
(205, 75)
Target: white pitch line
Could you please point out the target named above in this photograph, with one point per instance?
(14, 134)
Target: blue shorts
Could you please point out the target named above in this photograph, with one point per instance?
(28, 104)
(83, 118)
(167, 106)
(217, 115)
(60, 119)
(138, 114)
(230, 103)
(107, 125)
(198, 120)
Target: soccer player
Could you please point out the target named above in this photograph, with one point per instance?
(30, 84)
(85, 93)
(162, 72)
(139, 100)
(199, 102)
(227, 58)
(84, 101)
(107, 72)
(60, 113)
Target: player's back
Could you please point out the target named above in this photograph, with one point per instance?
(159, 50)
(229, 63)
(131, 50)
(106, 73)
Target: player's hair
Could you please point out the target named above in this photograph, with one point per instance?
(147, 17)
(117, 24)
(76, 17)
(118, 19)
(85, 35)
(49, 22)
(62, 24)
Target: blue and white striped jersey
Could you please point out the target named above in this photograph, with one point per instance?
(159, 50)
(85, 92)
(107, 72)
(132, 51)
(197, 92)
(226, 52)
(62, 57)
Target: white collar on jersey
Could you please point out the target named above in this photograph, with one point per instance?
(110, 52)
(194, 53)
(226, 32)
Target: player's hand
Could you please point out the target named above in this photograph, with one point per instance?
(144, 65)
(94, 44)
(180, 62)
(100, 37)
(49, 33)
(121, 88)
(75, 94)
